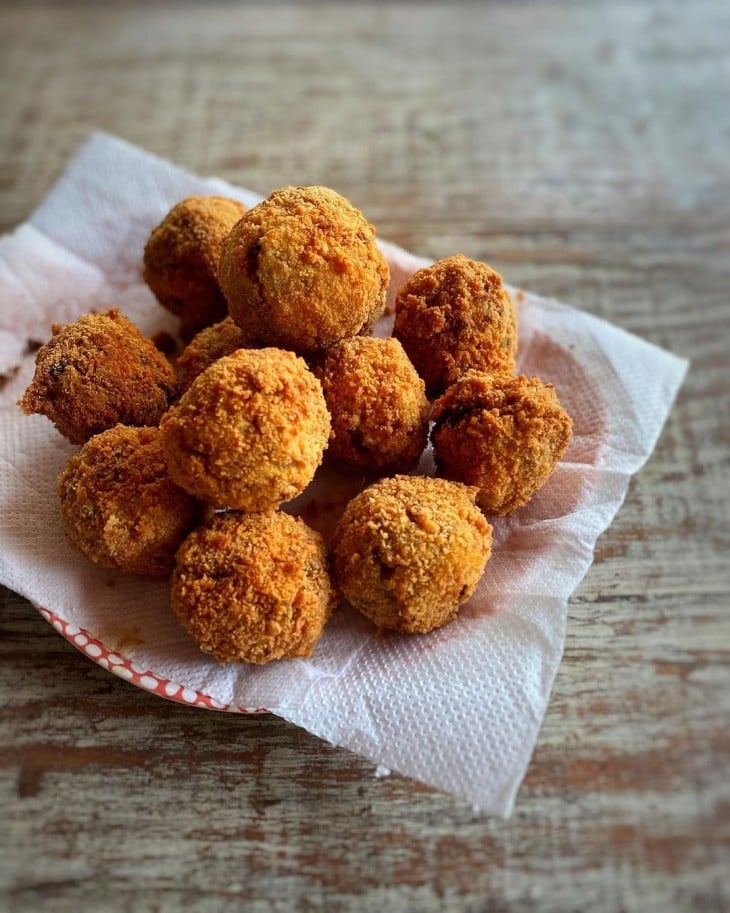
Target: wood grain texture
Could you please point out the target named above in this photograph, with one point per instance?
(582, 149)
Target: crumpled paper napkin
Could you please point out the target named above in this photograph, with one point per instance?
(460, 708)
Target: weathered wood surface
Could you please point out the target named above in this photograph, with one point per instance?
(583, 150)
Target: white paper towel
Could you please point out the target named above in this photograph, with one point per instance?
(460, 708)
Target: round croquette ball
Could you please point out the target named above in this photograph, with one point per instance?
(120, 507)
(250, 432)
(253, 587)
(503, 435)
(301, 270)
(181, 258)
(453, 316)
(207, 346)
(377, 404)
(98, 372)
(409, 550)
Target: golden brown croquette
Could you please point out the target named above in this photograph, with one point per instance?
(98, 372)
(504, 435)
(301, 270)
(181, 258)
(120, 507)
(207, 346)
(409, 550)
(250, 432)
(377, 404)
(253, 587)
(455, 315)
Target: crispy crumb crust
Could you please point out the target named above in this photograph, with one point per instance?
(181, 258)
(98, 372)
(301, 270)
(120, 507)
(504, 435)
(377, 404)
(455, 315)
(253, 587)
(250, 432)
(409, 550)
(206, 347)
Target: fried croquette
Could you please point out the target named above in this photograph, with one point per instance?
(207, 346)
(409, 550)
(253, 587)
(98, 372)
(453, 316)
(301, 270)
(377, 404)
(181, 259)
(119, 505)
(250, 432)
(504, 435)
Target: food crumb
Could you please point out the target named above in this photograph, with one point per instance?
(422, 519)
(8, 375)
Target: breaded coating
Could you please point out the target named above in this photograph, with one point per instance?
(253, 587)
(301, 270)
(377, 404)
(453, 316)
(250, 432)
(181, 258)
(207, 346)
(120, 507)
(504, 435)
(98, 372)
(409, 550)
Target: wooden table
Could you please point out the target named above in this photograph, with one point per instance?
(584, 151)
